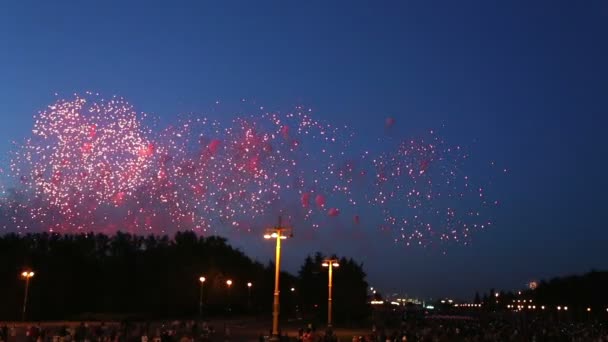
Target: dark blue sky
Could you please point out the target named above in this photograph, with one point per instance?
(522, 83)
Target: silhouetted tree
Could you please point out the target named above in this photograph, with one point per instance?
(576, 292)
(149, 276)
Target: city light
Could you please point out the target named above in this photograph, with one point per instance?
(229, 282)
(249, 284)
(202, 279)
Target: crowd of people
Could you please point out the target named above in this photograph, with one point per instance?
(429, 330)
(460, 330)
(177, 331)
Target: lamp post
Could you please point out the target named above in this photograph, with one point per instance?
(249, 285)
(229, 284)
(279, 233)
(330, 263)
(200, 302)
(27, 275)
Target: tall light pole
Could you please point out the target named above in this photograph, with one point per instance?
(330, 263)
(200, 302)
(249, 285)
(229, 284)
(27, 275)
(279, 233)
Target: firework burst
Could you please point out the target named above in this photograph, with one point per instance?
(92, 164)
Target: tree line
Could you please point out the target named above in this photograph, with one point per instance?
(578, 292)
(150, 277)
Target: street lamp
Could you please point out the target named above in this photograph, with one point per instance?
(249, 285)
(27, 275)
(279, 233)
(200, 302)
(330, 263)
(229, 284)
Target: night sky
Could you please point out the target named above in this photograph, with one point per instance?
(520, 83)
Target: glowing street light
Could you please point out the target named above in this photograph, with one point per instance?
(330, 263)
(229, 285)
(279, 233)
(27, 275)
(249, 285)
(200, 302)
